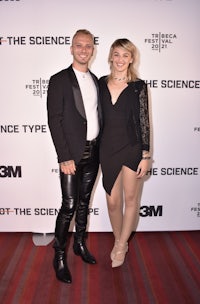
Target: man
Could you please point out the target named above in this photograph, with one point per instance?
(74, 120)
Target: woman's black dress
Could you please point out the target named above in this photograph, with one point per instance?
(120, 145)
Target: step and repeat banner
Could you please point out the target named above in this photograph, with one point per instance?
(35, 38)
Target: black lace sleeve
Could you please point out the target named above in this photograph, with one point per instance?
(144, 116)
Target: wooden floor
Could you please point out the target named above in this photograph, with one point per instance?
(160, 267)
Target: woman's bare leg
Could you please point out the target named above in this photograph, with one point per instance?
(115, 207)
(132, 188)
(123, 216)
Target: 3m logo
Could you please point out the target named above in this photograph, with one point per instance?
(151, 211)
(10, 171)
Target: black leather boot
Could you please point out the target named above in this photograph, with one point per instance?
(61, 232)
(62, 272)
(81, 250)
(79, 236)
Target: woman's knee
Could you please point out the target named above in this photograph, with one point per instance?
(114, 204)
(130, 199)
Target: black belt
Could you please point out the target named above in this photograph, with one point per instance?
(91, 142)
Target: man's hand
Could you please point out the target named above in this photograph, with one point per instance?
(68, 167)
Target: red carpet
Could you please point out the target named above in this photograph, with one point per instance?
(160, 267)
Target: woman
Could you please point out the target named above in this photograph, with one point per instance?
(124, 149)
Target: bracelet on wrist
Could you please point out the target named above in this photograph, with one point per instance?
(145, 153)
(146, 157)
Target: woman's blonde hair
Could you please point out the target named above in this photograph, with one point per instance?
(130, 47)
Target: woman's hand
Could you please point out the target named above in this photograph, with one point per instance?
(142, 168)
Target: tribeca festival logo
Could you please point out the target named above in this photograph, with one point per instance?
(196, 209)
(197, 129)
(38, 87)
(160, 41)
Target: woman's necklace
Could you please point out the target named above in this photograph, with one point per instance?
(120, 79)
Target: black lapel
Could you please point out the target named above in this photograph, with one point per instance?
(77, 93)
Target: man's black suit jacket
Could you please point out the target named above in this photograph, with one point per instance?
(66, 115)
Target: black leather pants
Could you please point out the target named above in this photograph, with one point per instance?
(76, 192)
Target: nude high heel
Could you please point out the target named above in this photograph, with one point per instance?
(119, 255)
(112, 254)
